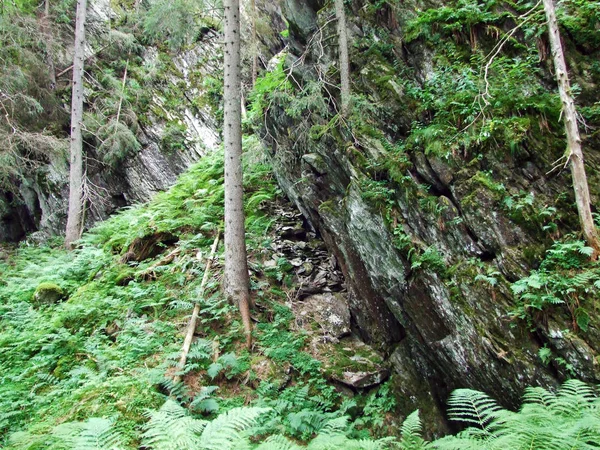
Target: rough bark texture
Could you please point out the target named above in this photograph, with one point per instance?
(236, 266)
(254, 43)
(49, 51)
(74, 217)
(575, 155)
(344, 61)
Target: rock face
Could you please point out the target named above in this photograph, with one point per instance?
(42, 201)
(410, 237)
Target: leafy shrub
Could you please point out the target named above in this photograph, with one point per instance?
(565, 277)
(173, 138)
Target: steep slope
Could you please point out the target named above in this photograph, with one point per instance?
(150, 112)
(441, 189)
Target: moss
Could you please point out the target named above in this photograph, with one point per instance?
(492, 189)
(48, 293)
(533, 254)
(343, 357)
(331, 208)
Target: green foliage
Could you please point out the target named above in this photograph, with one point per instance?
(118, 143)
(173, 138)
(546, 420)
(474, 98)
(525, 208)
(106, 350)
(171, 22)
(430, 258)
(581, 18)
(93, 434)
(565, 277)
(272, 85)
(30, 108)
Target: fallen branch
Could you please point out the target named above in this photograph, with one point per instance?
(187, 343)
(150, 274)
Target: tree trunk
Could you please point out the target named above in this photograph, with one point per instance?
(236, 266)
(343, 54)
(48, 36)
(575, 155)
(254, 44)
(74, 216)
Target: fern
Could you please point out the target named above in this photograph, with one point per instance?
(203, 401)
(171, 428)
(278, 442)
(225, 431)
(93, 434)
(472, 407)
(98, 434)
(569, 419)
(411, 430)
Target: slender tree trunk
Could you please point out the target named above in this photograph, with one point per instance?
(575, 155)
(236, 266)
(122, 93)
(74, 217)
(344, 60)
(254, 44)
(48, 36)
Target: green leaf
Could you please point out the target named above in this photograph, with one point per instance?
(583, 318)
(214, 370)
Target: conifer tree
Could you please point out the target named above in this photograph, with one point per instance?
(344, 61)
(236, 266)
(253, 13)
(75, 214)
(569, 114)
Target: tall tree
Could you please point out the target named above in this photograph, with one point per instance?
(344, 61)
(75, 214)
(236, 265)
(48, 43)
(574, 153)
(254, 42)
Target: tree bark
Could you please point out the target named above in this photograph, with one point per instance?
(73, 231)
(254, 44)
(343, 55)
(48, 36)
(574, 153)
(236, 265)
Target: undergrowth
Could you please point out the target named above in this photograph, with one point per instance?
(89, 364)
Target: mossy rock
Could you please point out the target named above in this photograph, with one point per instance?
(48, 294)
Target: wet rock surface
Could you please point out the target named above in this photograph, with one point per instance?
(410, 254)
(41, 203)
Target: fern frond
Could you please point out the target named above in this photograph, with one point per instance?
(170, 428)
(411, 425)
(98, 434)
(308, 422)
(467, 405)
(411, 433)
(278, 442)
(539, 395)
(224, 431)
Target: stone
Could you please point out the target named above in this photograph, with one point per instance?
(362, 380)
(48, 294)
(351, 362)
(316, 162)
(329, 310)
